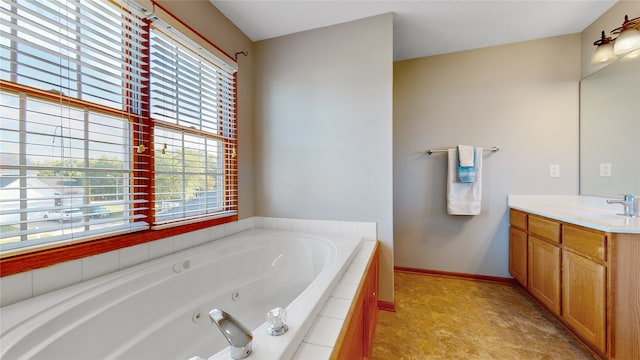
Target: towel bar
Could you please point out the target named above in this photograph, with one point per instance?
(492, 149)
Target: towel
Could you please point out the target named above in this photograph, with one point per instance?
(466, 155)
(464, 198)
(466, 164)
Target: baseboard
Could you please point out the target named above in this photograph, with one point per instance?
(387, 306)
(475, 277)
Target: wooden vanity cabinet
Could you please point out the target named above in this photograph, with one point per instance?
(589, 279)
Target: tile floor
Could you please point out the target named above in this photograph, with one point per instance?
(440, 318)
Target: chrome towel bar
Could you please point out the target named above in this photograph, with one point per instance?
(492, 149)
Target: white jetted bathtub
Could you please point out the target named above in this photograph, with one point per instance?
(159, 309)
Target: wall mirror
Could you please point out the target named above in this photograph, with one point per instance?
(610, 130)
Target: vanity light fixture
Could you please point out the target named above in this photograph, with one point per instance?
(604, 52)
(629, 38)
(626, 45)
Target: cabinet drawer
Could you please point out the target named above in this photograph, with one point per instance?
(518, 219)
(585, 242)
(544, 228)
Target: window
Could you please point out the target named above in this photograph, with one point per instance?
(193, 109)
(108, 125)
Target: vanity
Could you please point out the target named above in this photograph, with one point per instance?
(581, 260)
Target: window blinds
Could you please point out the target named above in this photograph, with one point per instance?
(72, 83)
(193, 106)
(189, 89)
(89, 50)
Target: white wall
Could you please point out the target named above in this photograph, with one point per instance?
(521, 97)
(323, 128)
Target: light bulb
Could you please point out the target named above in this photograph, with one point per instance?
(635, 54)
(628, 40)
(604, 51)
(603, 55)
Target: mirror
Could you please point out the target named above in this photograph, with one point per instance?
(610, 130)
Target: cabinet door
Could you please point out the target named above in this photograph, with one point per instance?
(356, 338)
(353, 345)
(518, 255)
(584, 298)
(371, 306)
(544, 272)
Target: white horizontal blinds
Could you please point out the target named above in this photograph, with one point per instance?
(193, 107)
(67, 160)
(188, 89)
(59, 159)
(88, 50)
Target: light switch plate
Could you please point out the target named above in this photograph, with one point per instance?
(554, 170)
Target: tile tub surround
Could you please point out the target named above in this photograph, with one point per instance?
(588, 211)
(321, 338)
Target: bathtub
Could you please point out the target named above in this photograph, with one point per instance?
(159, 309)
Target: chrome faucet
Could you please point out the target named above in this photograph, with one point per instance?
(238, 336)
(628, 202)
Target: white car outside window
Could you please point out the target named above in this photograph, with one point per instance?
(63, 215)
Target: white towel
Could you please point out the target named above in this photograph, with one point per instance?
(465, 152)
(463, 198)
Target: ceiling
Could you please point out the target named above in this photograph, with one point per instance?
(422, 27)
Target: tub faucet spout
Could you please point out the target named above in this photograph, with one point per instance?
(238, 336)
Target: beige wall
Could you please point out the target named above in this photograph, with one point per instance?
(323, 128)
(204, 18)
(610, 20)
(521, 97)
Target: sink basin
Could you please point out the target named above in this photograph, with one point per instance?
(594, 215)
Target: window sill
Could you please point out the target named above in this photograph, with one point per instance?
(17, 262)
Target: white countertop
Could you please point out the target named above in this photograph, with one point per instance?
(587, 211)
